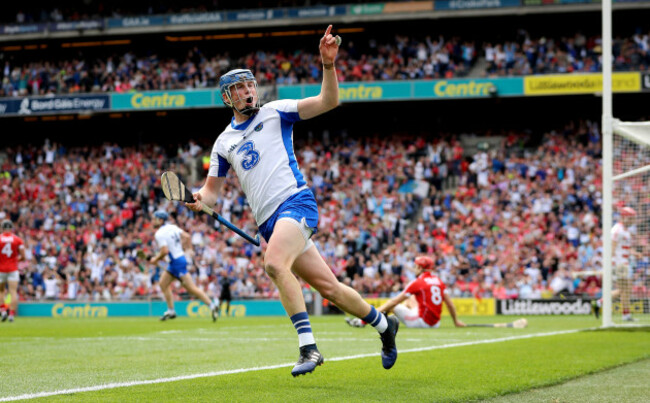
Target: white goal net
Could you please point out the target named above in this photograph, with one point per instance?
(630, 234)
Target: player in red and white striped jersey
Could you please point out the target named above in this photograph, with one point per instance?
(11, 250)
(621, 251)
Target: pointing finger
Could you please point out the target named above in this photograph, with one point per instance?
(328, 30)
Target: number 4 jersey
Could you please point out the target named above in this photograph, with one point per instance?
(428, 290)
(10, 245)
(260, 151)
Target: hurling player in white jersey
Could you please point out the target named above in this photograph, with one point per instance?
(258, 146)
(171, 240)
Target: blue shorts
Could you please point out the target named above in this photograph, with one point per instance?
(178, 267)
(299, 206)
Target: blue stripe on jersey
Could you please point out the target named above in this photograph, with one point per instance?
(224, 166)
(292, 117)
(287, 119)
(243, 125)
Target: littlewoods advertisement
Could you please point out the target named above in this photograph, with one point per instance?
(543, 307)
(580, 83)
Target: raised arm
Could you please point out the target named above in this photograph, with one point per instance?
(328, 98)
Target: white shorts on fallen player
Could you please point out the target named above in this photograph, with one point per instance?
(410, 317)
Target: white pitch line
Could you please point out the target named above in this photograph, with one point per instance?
(243, 370)
(191, 339)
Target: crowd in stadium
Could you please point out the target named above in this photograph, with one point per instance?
(508, 222)
(403, 58)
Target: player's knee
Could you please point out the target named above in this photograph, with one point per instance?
(331, 291)
(272, 269)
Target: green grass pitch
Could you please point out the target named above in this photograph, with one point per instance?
(250, 358)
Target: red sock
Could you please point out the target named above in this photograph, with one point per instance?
(12, 312)
(626, 311)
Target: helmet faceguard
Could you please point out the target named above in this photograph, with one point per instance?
(234, 77)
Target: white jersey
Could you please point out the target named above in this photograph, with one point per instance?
(623, 240)
(169, 235)
(260, 151)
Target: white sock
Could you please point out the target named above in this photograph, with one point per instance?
(383, 325)
(305, 339)
(376, 319)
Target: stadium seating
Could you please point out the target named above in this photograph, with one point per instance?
(85, 214)
(406, 58)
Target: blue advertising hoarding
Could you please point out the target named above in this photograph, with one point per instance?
(63, 309)
(313, 12)
(9, 106)
(140, 21)
(76, 25)
(21, 29)
(193, 18)
(474, 4)
(56, 104)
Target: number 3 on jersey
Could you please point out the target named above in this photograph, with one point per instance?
(6, 250)
(436, 295)
(252, 157)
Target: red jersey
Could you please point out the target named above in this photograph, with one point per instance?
(9, 247)
(428, 290)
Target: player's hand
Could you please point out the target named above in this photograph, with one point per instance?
(152, 260)
(328, 46)
(460, 323)
(197, 205)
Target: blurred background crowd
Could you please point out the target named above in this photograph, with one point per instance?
(514, 218)
(505, 214)
(402, 58)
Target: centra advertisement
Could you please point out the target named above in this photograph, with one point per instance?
(146, 308)
(163, 100)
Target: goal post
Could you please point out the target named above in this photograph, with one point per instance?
(607, 123)
(626, 223)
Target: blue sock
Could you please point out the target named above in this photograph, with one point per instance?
(303, 327)
(376, 320)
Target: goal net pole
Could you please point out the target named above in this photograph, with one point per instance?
(607, 129)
